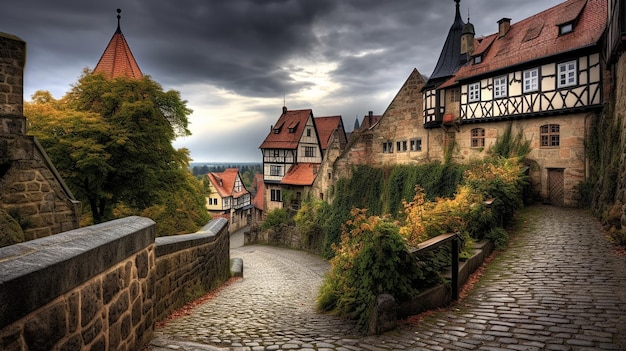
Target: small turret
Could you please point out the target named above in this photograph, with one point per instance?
(467, 38)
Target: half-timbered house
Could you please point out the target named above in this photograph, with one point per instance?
(543, 75)
(228, 198)
(292, 153)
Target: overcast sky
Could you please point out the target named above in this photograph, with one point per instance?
(236, 62)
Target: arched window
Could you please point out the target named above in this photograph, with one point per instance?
(550, 135)
(478, 137)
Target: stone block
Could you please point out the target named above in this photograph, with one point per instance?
(383, 316)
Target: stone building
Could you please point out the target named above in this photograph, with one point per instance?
(34, 200)
(543, 75)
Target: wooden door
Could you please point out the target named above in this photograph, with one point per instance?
(555, 186)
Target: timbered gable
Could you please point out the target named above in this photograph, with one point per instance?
(547, 64)
(553, 88)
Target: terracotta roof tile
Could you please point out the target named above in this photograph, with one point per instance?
(282, 136)
(537, 37)
(300, 174)
(224, 183)
(325, 127)
(117, 59)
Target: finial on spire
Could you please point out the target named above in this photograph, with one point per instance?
(118, 19)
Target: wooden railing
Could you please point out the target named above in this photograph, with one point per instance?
(436, 242)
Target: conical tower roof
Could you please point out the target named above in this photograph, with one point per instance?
(450, 59)
(117, 59)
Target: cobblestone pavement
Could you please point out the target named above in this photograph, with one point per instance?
(557, 287)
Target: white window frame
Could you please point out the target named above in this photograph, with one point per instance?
(500, 87)
(309, 151)
(416, 144)
(567, 73)
(531, 80)
(276, 171)
(473, 92)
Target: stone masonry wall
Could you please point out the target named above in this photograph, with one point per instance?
(189, 265)
(99, 288)
(31, 190)
(86, 289)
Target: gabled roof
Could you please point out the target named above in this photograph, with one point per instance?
(117, 59)
(288, 130)
(300, 174)
(537, 37)
(450, 58)
(224, 183)
(325, 127)
(369, 121)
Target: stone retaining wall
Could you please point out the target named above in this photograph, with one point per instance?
(103, 287)
(187, 266)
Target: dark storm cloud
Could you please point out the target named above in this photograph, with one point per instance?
(252, 48)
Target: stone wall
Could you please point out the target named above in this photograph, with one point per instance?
(32, 192)
(90, 288)
(187, 266)
(103, 287)
(401, 127)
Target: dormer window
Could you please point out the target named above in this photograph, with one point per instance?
(566, 28)
(478, 59)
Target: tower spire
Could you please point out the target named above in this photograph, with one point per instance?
(117, 59)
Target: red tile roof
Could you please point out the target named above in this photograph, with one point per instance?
(224, 183)
(288, 130)
(259, 185)
(369, 121)
(300, 174)
(537, 37)
(117, 59)
(325, 127)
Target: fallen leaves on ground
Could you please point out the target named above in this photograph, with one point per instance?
(188, 308)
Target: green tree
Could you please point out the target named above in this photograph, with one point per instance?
(112, 141)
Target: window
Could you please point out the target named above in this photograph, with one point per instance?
(474, 92)
(309, 151)
(416, 144)
(478, 137)
(238, 184)
(531, 80)
(276, 171)
(566, 28)
(567, 74)
(455, 95)
(387, 147)
(499, 87)
(478, 59)
(308, 132)
(276, 153)
(275, 195)
(550, 135)
(401, 146)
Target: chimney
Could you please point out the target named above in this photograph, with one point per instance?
(371, 113)
(284, 109)
(503, 26)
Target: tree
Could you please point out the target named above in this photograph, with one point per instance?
(112, 141)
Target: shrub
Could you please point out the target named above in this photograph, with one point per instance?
(371, 259)
(499, 237)
(275, 218)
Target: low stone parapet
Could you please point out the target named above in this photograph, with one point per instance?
(83, 289)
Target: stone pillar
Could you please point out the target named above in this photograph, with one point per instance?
(12, 62)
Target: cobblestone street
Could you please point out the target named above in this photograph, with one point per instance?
(558, 287)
